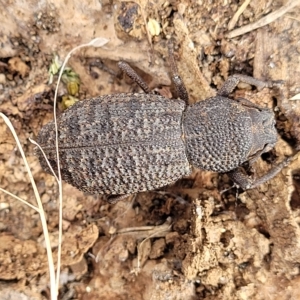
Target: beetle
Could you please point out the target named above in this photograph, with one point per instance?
(132, 142)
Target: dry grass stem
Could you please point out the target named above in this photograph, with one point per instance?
(152, 233)
(147, 231)
(52, 171)
(53, 289)
(97, 42)
(236, 16)
(265, 20)
(20, 199)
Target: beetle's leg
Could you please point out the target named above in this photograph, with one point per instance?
(134, 76)
(245, 182)
(232, 81)
(179, 85)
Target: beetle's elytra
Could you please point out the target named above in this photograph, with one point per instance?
(119, 143)
(127, 143)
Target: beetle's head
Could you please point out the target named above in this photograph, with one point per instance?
(263, 130)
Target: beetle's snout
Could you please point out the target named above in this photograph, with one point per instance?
(269, 129)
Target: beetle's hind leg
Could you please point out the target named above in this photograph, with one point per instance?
(134, 76)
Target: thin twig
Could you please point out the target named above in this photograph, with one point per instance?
(265, 20)
(236, 16)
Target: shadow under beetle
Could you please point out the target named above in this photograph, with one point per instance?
(132, 142)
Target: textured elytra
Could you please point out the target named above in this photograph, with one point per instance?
(119, 144)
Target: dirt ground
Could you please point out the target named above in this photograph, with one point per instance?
(186, 241)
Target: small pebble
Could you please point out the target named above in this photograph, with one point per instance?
(2, 78)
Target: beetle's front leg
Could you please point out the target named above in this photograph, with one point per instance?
(232, 81)
(242, 180)
(134, 76)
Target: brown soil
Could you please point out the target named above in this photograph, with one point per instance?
(199, 243)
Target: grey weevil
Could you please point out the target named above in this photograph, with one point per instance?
(132, 142)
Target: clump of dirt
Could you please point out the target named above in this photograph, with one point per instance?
(188, 240)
